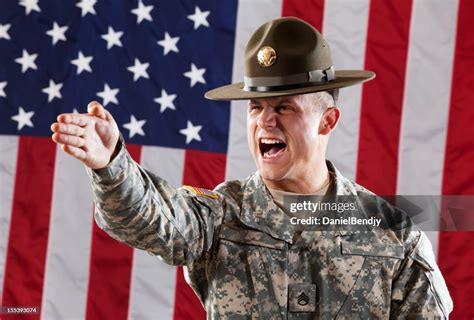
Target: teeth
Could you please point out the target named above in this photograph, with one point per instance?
(271, 141)
(268, 155)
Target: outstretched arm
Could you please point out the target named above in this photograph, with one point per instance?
(133, 205)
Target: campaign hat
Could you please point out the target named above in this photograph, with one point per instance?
(287, 56)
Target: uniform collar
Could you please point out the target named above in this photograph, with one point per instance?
(260, 212)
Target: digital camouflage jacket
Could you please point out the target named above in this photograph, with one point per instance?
(245, 260)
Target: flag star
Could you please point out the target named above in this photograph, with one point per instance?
(112, 38)
(23, 118)
(199, 17)
(87, 6)
(139, 70)
(82, 63)
(195, 74)
(2, 87)
(108, 95)
(166, 101)
(4, 31)
(30, 5)
(53, 90)
(142, 12)
(135, 127)
(57, 33)
(169, 44)
(191, 132)
(75, 110)
(27, 61)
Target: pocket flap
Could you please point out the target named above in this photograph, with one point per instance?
(372, 249)
(251, 237)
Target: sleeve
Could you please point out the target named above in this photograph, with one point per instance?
(419, 291)
(142, 210)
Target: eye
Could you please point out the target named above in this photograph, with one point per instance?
(254, 108)
(283, 109)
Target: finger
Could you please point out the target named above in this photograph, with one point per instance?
(74, 118)
(95, 109)
(69, 140)
(67, 129)
(108, 115)
(76, 152)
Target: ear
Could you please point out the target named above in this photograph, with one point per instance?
(329, 120)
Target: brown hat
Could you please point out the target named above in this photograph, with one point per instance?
(287, 56)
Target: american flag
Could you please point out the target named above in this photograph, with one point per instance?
(149, 62)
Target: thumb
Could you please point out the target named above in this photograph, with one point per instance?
(95, 109)
(107, 115)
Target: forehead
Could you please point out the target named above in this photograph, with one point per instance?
(296, 99)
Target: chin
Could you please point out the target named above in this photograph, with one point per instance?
(271, 174)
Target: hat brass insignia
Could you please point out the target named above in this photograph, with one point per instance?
(266, 56)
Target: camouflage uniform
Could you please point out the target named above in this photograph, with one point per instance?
(245, 260)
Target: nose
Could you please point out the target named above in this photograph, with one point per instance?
(267, 118)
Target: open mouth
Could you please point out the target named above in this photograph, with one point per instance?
(271, 148)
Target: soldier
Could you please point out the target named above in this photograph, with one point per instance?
(244, 255)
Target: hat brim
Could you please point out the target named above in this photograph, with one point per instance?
(344, 78)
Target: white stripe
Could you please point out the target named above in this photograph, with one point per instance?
(69, 241)
(8, 157)
(251, 14)
(426, 100)
(153, 282)
(345, 28)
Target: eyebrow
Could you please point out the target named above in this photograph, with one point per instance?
(280, 101)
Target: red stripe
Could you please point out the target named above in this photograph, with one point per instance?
(205, 170)
(110, 271)
(382, 99)
(29, 227)
(311, 11)
(456, 249)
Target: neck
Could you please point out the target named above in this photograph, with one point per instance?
(309, 183)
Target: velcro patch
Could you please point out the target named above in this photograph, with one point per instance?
(202, 192)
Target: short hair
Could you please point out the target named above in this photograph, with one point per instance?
(325, 99)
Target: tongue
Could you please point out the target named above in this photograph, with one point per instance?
(273, 150)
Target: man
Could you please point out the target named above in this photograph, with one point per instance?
(245, 256)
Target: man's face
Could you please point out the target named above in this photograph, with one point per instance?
(283, 136)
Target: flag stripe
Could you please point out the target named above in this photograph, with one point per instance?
(205, 170)
(152, 288)
(345, 28)
(28, 236)
(456, 249)
(153, 281)
(386, 53)
(8, 154)
(250, 15)
(186, 303)
(311, 11)
(421, 155)
(110, 271)
(194, 164)
(70, 231)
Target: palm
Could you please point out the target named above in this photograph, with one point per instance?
(90, 138)
(101, 137)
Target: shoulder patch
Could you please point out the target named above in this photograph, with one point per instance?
(202, 192)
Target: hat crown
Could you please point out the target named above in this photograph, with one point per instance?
(299, 48)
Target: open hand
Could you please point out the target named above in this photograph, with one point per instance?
(90, 138)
